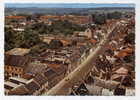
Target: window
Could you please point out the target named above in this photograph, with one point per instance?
(16, 74)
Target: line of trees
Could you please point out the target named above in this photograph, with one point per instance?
(58, 27)
(100, 18)
(26, 39)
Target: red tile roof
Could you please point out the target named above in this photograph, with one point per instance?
(15, 17)
(124, 52)
(93, 41)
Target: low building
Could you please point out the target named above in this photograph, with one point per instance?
(15, 62)
(87, 33)
(34, 86)
(17, 18)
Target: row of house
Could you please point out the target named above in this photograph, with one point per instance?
(23, 77)
(112, 66)
(72, 18)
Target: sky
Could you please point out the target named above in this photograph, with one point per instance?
(66, 5)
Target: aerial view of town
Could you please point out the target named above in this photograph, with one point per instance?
(69, 49)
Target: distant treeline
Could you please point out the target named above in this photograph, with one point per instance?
(62, 11)
(100, 18)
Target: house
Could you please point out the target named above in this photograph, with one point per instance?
(34, 68)
(34, 86)
(66, 42)
(124, 52)
(15, 62)
(19, 29)
(9, 85)
(18, 80)
(17, 18)
(87, 33)
(14, 83)
(54, 73)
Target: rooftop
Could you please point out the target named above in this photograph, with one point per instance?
(15, 17)
(22, 80)
(18, 61)
(122, 70)
(18, 51)
(32, 86)
(10, 84)
(35, 68)
(20, 90)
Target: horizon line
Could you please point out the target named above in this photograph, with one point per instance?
(67, 5)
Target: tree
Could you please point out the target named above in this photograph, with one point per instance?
(13, 39)
(39, 48)
(100, 19)
(114, 15)
(55, 44)
(31, 38)
(58, 27)
(28, 17)
(64, 27)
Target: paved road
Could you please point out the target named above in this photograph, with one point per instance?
(79, 74)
